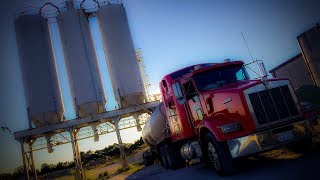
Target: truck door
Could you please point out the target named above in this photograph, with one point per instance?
(193, 103)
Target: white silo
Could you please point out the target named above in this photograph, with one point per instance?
(41, 87)
(121, 57)
(81, 61)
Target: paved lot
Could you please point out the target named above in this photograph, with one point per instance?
(278, 164)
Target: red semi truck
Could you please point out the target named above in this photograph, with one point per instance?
(215, 113)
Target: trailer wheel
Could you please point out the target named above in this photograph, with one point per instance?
(218, 156)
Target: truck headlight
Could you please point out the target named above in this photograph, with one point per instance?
(230, 127)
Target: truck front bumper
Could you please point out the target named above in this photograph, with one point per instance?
(273, 138)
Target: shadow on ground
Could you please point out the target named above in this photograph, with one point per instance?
(277, 164)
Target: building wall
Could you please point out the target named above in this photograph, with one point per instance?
(295, 70)
(309, 42)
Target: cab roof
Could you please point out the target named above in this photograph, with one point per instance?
(198, 68)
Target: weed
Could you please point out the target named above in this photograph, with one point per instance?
(104, 175)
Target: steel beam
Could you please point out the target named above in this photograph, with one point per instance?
(123, 159)
(82, 122)
(80, 174)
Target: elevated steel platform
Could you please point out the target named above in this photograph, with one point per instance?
(82, 122)
(28, 138)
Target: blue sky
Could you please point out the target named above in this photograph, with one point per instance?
(172, 34)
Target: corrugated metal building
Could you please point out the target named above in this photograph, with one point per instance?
(294, 69)
(309, 43)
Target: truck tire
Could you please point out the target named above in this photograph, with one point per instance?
(170, 157)
(218, 156)
(163, 157)
(148, 160)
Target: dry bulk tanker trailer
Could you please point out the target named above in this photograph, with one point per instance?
(121, 57)
(81, 61)
(155, 127)
(41, 87)
(154, 132)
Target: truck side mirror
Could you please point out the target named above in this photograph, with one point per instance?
(177, 90)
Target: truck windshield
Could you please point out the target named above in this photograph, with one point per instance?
(217, 77)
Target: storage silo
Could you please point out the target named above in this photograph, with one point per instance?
(81, 61)
(309, 42)
(121, 56)
(41, 87)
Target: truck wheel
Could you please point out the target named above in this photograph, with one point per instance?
(218, 156)
(148, 160)
(170, 157)
(163, 157)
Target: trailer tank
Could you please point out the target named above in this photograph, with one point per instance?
(154, 131)
(81, 61)
(121, 57)
(41, 86)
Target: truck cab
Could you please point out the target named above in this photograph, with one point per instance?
(214, 111)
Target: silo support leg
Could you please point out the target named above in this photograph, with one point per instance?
(123, 159)
(80, 174)
(28, 161)
(33, 167)
(25, 161)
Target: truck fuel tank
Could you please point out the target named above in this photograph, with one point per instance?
(191, 150)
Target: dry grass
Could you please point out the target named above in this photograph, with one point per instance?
(132, 169)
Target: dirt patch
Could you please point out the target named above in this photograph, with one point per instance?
(94, 173)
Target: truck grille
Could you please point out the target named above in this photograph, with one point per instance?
(273, 104)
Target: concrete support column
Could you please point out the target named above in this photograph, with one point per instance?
(123, 159)
(80, 174)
